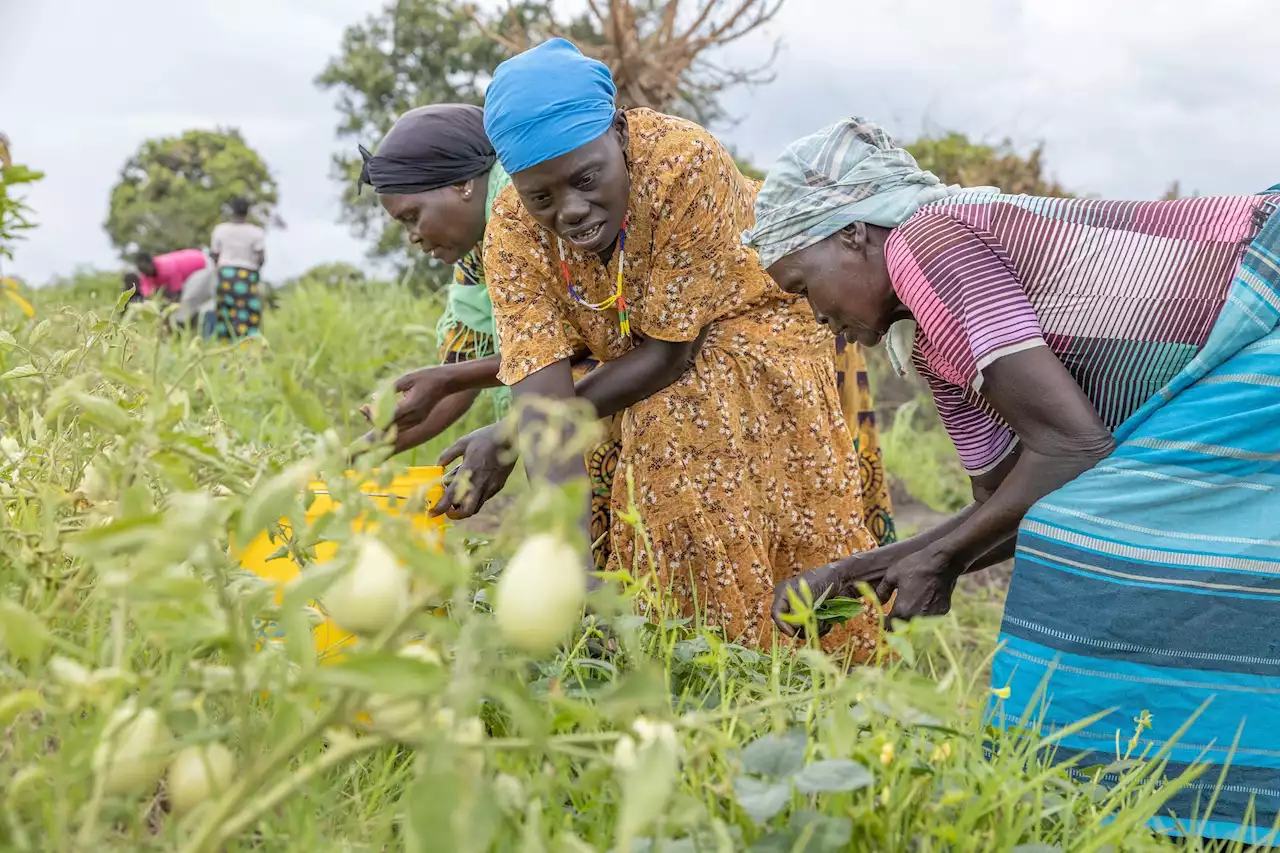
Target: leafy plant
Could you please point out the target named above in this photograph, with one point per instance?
(135, 465)
(15, 213)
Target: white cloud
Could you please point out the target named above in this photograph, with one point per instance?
(1127, 97)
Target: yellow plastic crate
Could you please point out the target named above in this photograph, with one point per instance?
(255, 557)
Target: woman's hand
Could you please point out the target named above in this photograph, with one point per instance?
(422, 390)
(924, 582)
(487, 462)
(433, 398)
(840, 578)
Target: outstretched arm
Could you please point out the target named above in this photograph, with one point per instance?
(639, 374)
(1061, 437)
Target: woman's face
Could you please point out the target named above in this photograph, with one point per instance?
(847, 283)
(446, 223)
(582, 196)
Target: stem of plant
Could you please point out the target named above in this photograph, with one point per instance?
(118, 637)
(278, 794)
(223, 810)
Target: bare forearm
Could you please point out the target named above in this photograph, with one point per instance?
(996, 521)
(474, 375)
(446, 413)
(1000, 553)
(638, 375)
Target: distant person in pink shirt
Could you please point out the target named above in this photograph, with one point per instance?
(168, 272)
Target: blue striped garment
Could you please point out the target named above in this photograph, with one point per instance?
(1152, 582)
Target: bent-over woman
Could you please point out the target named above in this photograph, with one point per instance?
(1110, 374)
(621, 231)
(436, 173)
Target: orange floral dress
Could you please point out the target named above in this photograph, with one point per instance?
(745, 472)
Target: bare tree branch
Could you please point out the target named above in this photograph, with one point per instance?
(655, 60)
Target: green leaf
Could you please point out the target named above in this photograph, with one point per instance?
(901, 645)
(833, 774)
(302, 402)
(21, 631)
(1036, 848)
(270, 501)
(774, 842)
(22, 371)
(838, 609)
(39, 333)
(307, 587)
(122, 536)
(775, 756)
(384, 406)
(759, 799)
(810, 832)
(103, 413)
(383, 673)
(449, 806)
(16, 703)
(7, 339)
(642, 690)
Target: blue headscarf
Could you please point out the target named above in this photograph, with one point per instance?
(546, 102)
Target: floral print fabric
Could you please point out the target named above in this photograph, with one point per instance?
(744, 470)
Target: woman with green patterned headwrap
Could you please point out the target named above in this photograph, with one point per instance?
(437, 174)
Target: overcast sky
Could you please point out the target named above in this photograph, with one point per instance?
(1126, 96)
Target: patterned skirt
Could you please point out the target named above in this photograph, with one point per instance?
(859, 410)
(1145, 592)
(239, 304)
(856, 403)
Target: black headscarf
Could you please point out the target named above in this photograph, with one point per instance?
(428, 148)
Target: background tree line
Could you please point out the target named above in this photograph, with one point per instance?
(662, 54)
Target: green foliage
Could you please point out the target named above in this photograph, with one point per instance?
(957, 160)
(919, 455)
(15, 214)
(174, 190)
(335, 274)
(120, 585)
(86, 286)
(748, 168)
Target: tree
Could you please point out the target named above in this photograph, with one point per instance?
(412, 53)
(174, 190)
(15, 218)
(417, 52)
(956, 160)
(657, 50)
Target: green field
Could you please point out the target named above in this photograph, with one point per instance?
(119, 587)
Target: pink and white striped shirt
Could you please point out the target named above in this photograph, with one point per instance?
(1124, 293)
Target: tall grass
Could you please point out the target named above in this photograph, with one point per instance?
(119, 586)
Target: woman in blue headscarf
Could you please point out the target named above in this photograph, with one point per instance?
(437, 174)
(621, 233)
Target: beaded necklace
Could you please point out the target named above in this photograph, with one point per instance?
(624, 322)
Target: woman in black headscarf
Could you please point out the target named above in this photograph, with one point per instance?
(437, 173)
